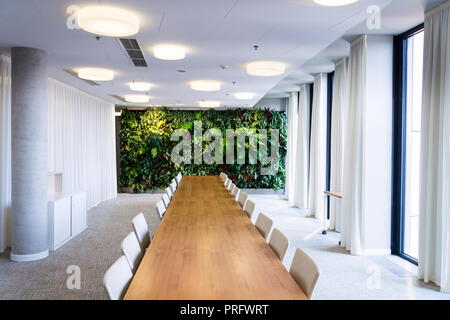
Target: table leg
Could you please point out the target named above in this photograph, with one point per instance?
(325, 214)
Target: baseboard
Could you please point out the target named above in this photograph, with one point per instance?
(29, 257)
(263, 191)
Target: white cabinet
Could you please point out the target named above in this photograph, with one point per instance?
(66, 216)
(79, 223)
(59, 214)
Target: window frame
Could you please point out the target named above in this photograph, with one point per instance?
(400, 77)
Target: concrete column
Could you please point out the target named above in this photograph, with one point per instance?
(29, 154)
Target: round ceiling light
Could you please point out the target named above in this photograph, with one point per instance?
(108, 21)
(95, 74)
(265, 68)
(205, 85)
(137, 98)
(169, 52)
(244, 95)
(335, 3)
(140, 86)
(209, 104)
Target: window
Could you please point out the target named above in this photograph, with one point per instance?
(407, 131)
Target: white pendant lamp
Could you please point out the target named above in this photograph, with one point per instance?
(205, 85)
(140, 86)
(137, 98)
(95, 74)
(209, 104)
(265, 68)
(244, 95)
(335, 3)
(169, 52)
(108, 21)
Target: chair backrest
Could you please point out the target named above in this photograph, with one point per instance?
(305, 272)
(249, 208)
(242, 198)
(231, 188)
(132, 251)
(235, 192)
(264, 224)
(166, 200)
(140, 228)
(221, 175)
(173, 186)
(160, 208)
(224, 177)
(227, 183)
(117, 278)
(169, 192)
(179, 177)
(279, 243)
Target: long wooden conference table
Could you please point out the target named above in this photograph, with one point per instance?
(206, 248)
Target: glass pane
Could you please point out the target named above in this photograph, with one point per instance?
(413, 131)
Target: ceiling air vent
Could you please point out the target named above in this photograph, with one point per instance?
(133, 51)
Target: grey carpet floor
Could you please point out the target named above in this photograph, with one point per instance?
(342, 276)
(93, 251)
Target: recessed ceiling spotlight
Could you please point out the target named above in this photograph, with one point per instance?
(108, 21)
(335, 3)
(265, 68)
(140, 86)
(244, 95)
(169, 52)
(95, 74)
(209, 104)
(205, 85)
(137, 98)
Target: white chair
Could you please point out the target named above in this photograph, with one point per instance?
(231, 188)
(279, 243)
(305, 272)
(166, 200)
(242, 198)
(173, 186)
(160, 208)
(221, 175)
(178, 178)
(227, 183)
(264, 224)
(132, 251)
(235, 192)
(169, 192)
(140, 228)
(224, 178)
(117, 278)
(249, 208)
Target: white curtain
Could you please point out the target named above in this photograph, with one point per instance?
(434, 247)
(317, 170)
(352, 237)
(5, 150)
(300, 198)
(291, 148)
(81, 140)
(338, 115)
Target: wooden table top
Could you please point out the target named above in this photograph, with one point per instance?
(336, 194)
(206, 248)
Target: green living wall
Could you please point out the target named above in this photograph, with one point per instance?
(145, 147)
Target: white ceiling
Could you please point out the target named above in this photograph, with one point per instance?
(396, 18)
(217, 32)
